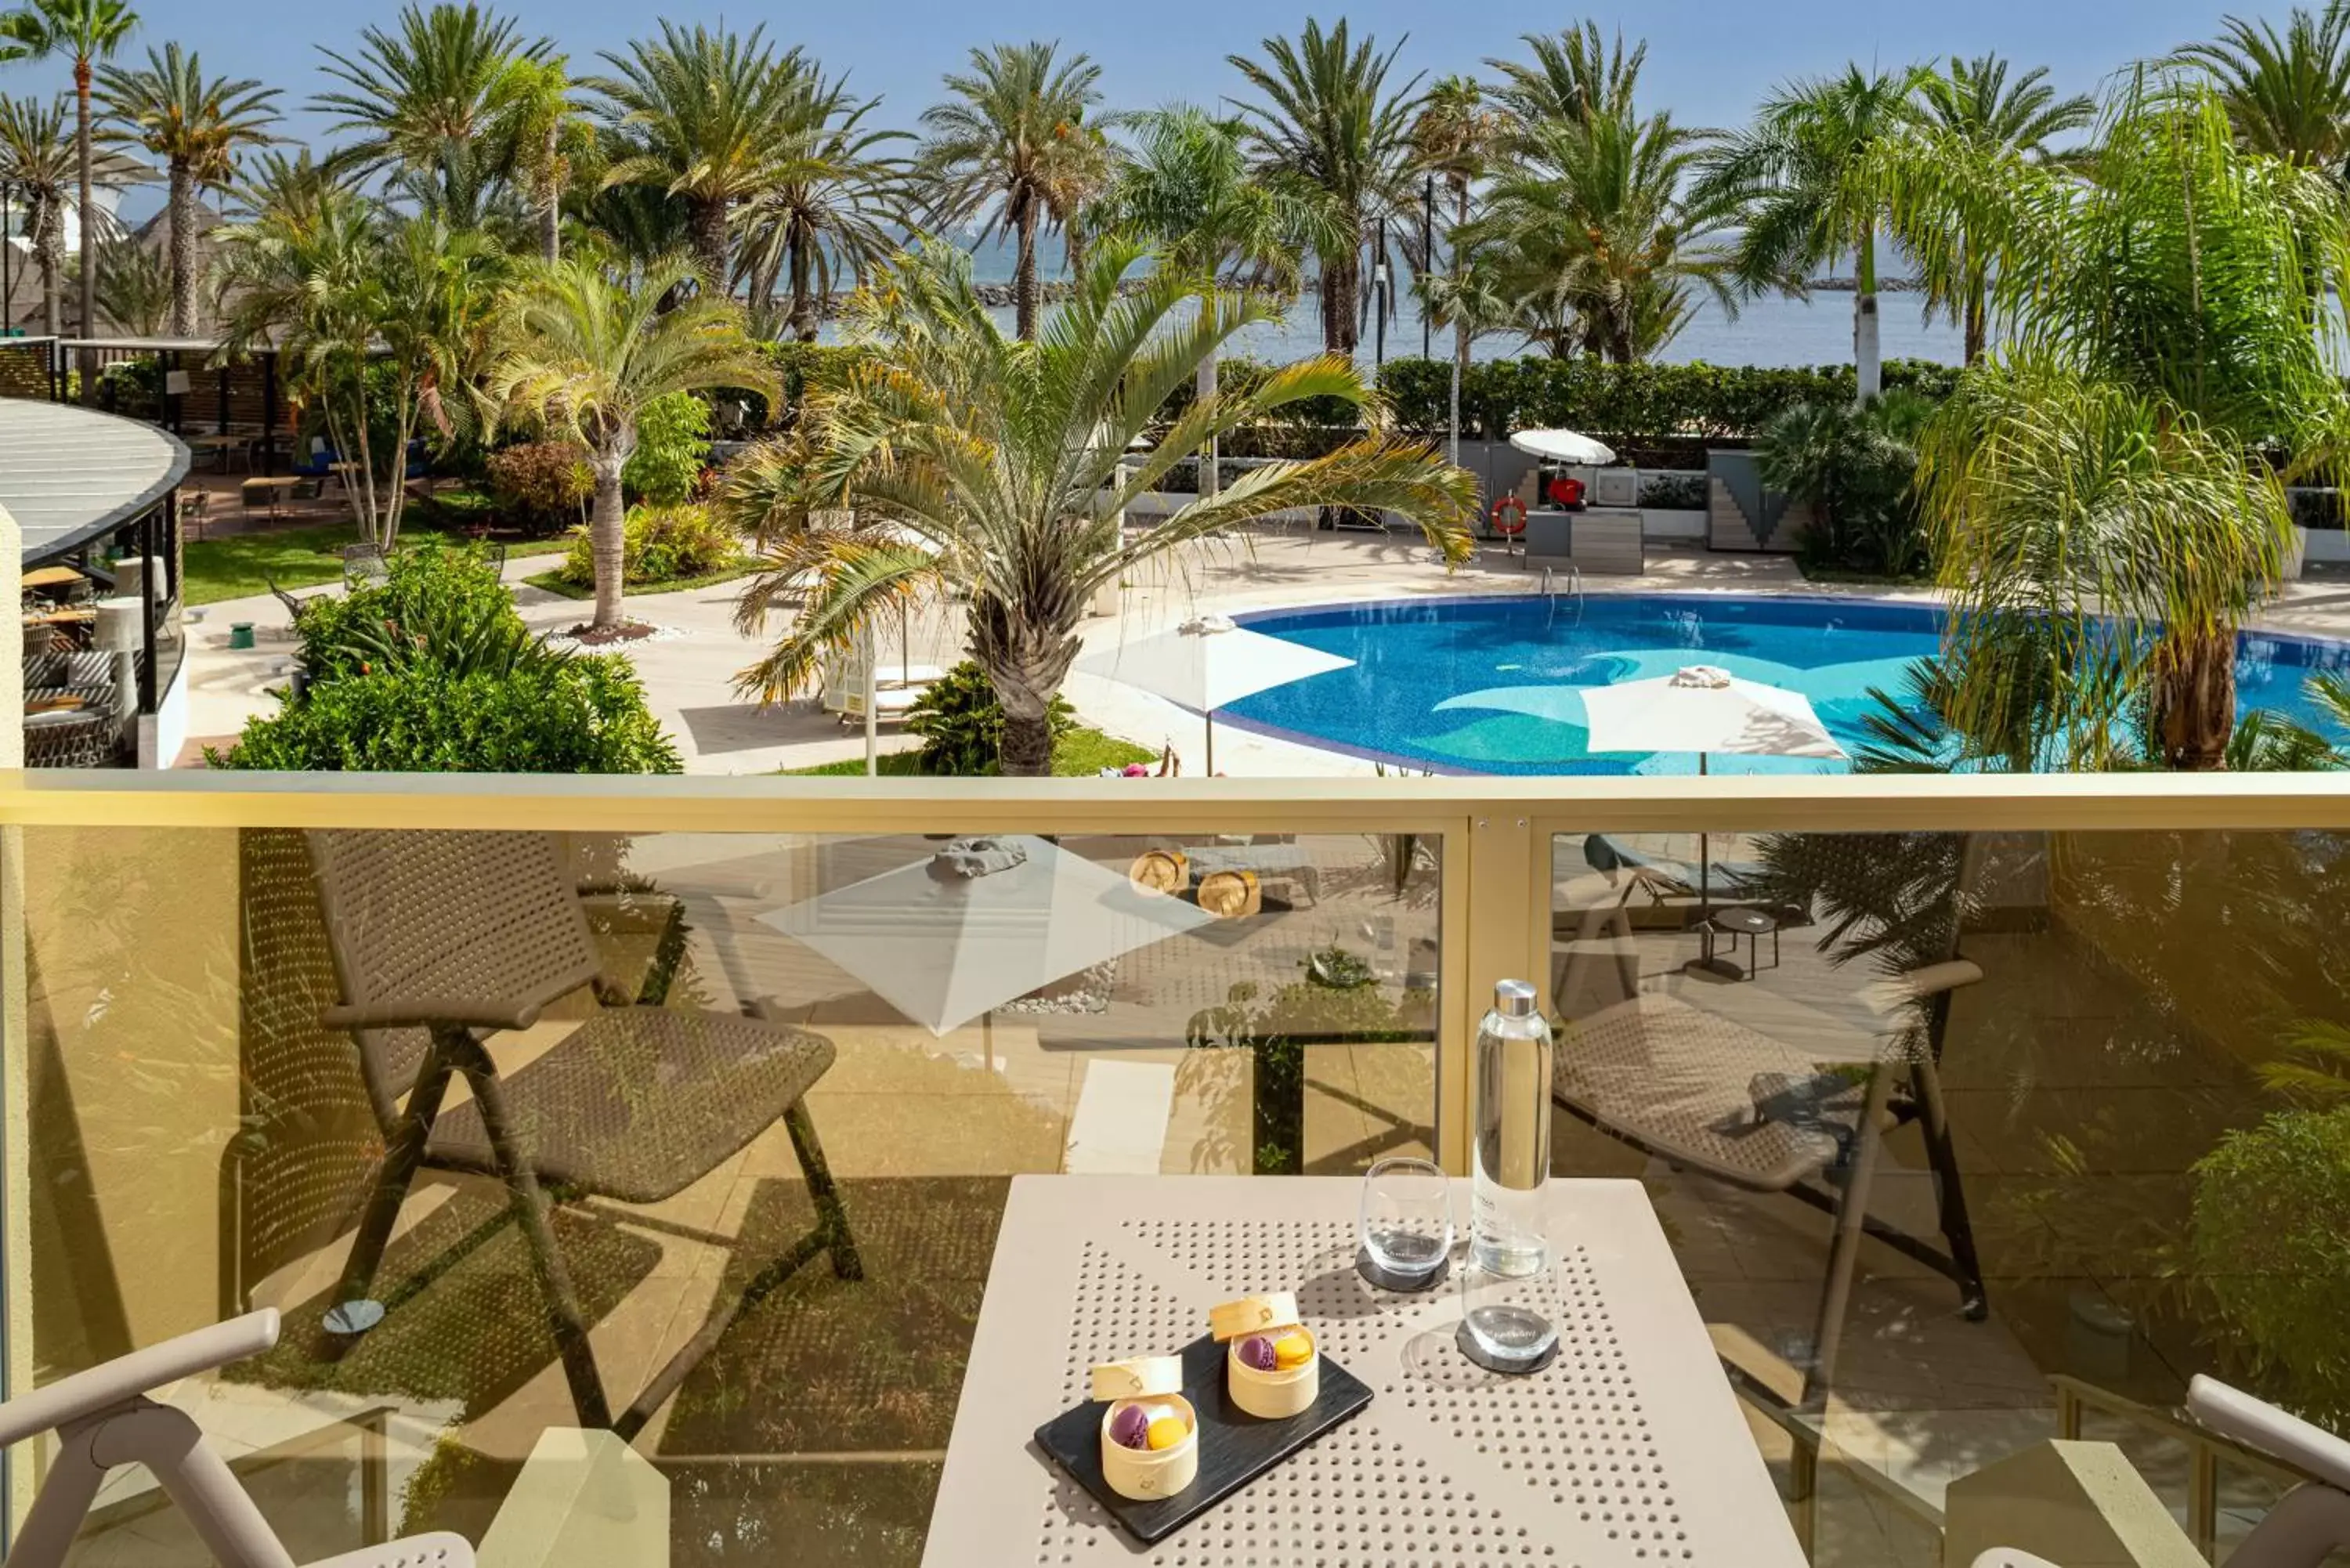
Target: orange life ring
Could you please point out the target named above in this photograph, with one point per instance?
(1511, 507)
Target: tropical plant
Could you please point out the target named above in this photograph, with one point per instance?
(197, 126)
(1186, 188)
(832, 206)
(1855, 465)
(2286, 95)
(359, 303)
(585, 353)
(1800, 178)
(1010, 151)
(1595, 224)
(436, 604)
(961, 724)
(37, 156)
(2125, 457)
(423, 98)
(672, 450)
(1972, 102)
(1575, 75)
(541, 485)
(705, 116)
(294, 185)
(993, 471)
(85, 32)
(1329, 128)
(539, 119)
(658, 544)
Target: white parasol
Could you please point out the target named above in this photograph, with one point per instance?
(943, 947)
(1563, 446)
(1206, 663)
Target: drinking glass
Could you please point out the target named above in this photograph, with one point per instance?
(1407, 1223)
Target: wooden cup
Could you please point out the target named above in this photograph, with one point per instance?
(1147, 1474)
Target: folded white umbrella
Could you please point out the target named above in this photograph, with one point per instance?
(1701, 710)
(943, 950)
(1563, 446)
(1207, 663)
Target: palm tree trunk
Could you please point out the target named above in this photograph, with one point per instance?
(710, 242)
(1025, 662)
(1341, 280)
(1027, 295)
(2195, 699)
(1460, 316)
(608, 536)
(49, 250)
(183, 251)
(89, 229)
(804, 316)
(1977, 322)
(1212, 478)
(550, 211)
(1868, 354)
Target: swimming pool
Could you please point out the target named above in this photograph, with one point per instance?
(1488, 685)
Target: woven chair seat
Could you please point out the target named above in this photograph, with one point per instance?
(1678, 1080)
(639, 1102)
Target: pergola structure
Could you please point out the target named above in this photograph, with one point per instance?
(94, 498)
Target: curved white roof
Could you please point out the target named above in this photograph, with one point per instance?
(69, 474)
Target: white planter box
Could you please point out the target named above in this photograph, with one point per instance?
(2328, 546)
(1661, 523)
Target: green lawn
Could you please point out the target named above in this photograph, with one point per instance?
(1081, 755)
(556, 583)
(238, 565)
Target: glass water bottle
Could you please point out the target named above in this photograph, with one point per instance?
(1511, 1111)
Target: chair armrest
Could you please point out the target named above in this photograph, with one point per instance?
(127, 1377)
(2232, 1413)
(1890, 996)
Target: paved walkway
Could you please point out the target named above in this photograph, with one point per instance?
(689, 673)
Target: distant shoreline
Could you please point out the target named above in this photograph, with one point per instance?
(1005, 295)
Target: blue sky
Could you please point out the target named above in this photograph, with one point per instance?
(1709, 60)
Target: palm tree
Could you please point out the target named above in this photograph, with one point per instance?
(37, 158)
(707, 117)
(1972, 100)
(540, 119)
(1006, 150)
(2287, 95)
(1798, 176)
(196, 125)
(1574, 74)
(1454, 136)
(1186, 190)
(585, 352)
(1329, 128)
(832, 207)
(86, 31)
(2121, 458)
(423, 98)
(368, 309)
(1597, 221)
(992, 471)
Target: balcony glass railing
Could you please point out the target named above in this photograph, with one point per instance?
(1990, 1124)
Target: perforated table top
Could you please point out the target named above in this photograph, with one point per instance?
(1629, 1449)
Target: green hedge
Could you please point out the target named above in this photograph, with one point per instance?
(1634, 403)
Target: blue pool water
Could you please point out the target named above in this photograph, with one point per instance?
(1488, 685)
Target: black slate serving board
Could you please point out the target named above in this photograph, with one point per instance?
(1236, 1448)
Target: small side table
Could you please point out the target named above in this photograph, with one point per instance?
(1727, 926)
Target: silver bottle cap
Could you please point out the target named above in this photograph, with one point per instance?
(1513, 999)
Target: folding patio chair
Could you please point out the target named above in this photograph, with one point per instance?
(104, 1420)
(1796, 1102)
(441, 939)
(2308, 1525)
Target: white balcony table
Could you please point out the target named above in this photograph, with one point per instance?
(1629, 1449)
